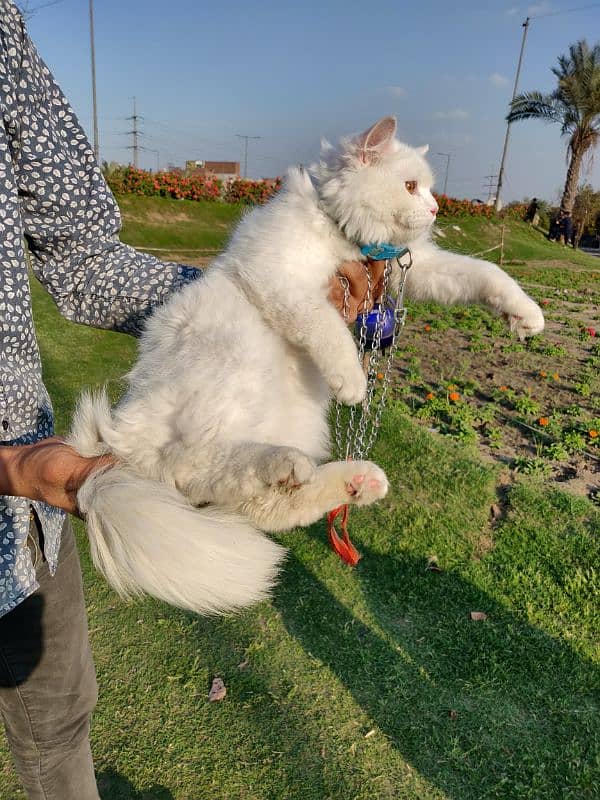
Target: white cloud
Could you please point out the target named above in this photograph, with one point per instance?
(395, 91)
(539, 8)
(511, 12)
(455, 113)
(497, 80)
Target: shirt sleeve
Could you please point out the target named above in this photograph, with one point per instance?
(70, 218)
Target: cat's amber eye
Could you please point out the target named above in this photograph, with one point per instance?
(411, 186)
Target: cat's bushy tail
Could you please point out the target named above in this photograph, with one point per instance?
(146, 538)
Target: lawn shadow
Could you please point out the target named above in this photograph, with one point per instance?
(480, 709)
(275, 748)
(113, 786)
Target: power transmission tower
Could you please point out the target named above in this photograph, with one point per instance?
(135, 132)
(245, 138)
(491, 186)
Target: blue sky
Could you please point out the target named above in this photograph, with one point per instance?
(291, 72)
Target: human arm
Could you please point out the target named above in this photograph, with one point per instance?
(450, 278)
(49, 470)
(70, 219)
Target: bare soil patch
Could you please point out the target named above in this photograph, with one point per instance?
(554, 373)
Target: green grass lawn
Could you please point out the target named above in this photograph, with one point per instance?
(175, 225)
(522, 242)
(372, 683)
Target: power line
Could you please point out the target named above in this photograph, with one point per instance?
(565, 11)
(28, 12)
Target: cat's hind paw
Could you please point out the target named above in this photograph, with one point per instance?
(288, 468)
(365, 482)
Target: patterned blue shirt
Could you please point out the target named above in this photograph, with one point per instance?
(54, 197)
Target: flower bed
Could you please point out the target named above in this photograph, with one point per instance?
(129, 180)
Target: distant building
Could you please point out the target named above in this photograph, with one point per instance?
(224, 170)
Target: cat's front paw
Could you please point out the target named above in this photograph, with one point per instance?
(527, 320)
(351, 388)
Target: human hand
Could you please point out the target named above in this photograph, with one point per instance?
(355, 273)
(49, 470)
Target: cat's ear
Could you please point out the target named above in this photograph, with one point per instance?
(373, 143)
(422, 151)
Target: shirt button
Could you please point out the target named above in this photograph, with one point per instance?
(5, 424)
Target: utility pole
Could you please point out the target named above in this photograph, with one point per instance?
(514, 94)
(245, 138)
(94, 104)
(447, 156)
(135, 133)
(157, 154)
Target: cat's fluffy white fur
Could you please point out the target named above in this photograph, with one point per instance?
(223, 429)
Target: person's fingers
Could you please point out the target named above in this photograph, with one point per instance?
(377, 278)
(351, 287)
(364, 282)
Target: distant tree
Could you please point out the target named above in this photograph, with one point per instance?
(586, 211)
(574, 105)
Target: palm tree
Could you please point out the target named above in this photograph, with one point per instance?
(574, 105)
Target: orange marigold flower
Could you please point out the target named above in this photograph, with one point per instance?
(504, 388)
(454, 396)
(593, 434)
(429, 396)
(543, 421)
(543, 374)
(427, 328)
(380, 376)
(555, 376)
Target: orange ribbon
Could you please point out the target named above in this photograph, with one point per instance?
(342, 546)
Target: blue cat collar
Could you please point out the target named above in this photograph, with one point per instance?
(382, 252)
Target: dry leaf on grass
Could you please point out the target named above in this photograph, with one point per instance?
(478, 616)
(432, 565)
(217, 690)
(495, 511)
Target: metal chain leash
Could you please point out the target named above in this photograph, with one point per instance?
(364, 420)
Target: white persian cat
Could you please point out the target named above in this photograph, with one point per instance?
(223, 429)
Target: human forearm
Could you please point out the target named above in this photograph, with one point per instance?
(107, 284)
(49, 470)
